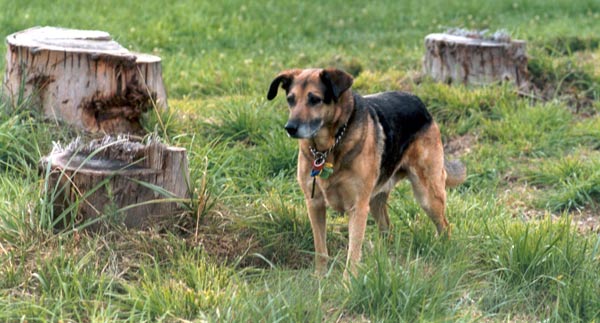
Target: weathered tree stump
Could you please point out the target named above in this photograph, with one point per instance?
(83, 77)
(472, 59)
(138, 185)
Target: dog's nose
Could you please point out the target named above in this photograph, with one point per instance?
(291, 128)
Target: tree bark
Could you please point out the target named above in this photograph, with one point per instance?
(83, 78)
(465, 60)
(122, 181)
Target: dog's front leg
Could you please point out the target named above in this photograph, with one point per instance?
(318, 223)
(317, 208)
(357, 224)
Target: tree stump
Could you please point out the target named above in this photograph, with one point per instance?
(472, 59)
(115, 180)
(83, 78)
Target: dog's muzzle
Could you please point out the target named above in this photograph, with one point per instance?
(302, 130)
(291, 128)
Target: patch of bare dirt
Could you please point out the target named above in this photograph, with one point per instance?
(587, 220)
(520, 197)
(229, 241)
(334, 314)
(459, 146)
(218, 237)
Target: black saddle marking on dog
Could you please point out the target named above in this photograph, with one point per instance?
(402, 116)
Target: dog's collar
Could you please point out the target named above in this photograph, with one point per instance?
(322, 155)
(320, 167)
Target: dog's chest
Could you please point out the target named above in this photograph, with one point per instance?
(342, 191)
(337, 197)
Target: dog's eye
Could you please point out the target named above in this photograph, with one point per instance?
(313, 99)
(291, 100)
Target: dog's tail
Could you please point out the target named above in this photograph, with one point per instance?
(456, 173)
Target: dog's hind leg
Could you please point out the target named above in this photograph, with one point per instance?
(425, 168)
(378, 206)
(431, 195)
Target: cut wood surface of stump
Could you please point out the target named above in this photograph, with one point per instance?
(126, 182)
(471, 59)
(83, 78)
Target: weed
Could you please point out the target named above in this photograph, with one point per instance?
(566, 45)
(570, 183)
(564, 79)
(390, 290)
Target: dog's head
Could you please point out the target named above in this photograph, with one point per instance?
(313, 96)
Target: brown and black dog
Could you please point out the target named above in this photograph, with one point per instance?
(353, 150)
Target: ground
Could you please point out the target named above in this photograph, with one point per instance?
(525, 244)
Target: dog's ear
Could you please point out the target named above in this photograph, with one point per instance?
(336, 82)
(284, 78)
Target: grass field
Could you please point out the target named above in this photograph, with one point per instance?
(526, 236)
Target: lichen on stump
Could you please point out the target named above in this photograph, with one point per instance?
(470, 58)
(115, 180)
(83, 78)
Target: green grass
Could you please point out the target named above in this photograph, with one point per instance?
(570, 183)
(244, 251)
